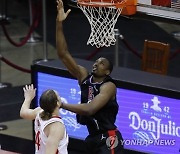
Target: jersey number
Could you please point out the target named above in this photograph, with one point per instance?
(37, 139)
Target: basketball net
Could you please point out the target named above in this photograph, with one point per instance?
(102, 17)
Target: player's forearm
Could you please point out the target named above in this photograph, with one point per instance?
(82, 109)
(25, 107)
(61, 44)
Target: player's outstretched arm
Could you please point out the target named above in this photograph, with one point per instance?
(107, 92)
(62, 50)
(26, 112)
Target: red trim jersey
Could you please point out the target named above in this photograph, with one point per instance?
(41, 138)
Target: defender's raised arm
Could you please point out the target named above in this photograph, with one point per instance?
(62, 50)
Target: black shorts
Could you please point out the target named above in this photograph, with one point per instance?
(106, 143)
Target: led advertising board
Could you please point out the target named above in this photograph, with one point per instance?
(149, 123)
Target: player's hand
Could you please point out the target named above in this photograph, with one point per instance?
(61, 14)
(29, 92)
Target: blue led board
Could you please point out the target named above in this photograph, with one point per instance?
(148, 123)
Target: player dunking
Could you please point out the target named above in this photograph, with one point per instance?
(98, 108)
(51, 136)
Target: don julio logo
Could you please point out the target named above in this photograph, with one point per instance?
(154, 126)
(112, 142)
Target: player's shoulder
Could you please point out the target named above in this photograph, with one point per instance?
(108, 86)
(57, 126)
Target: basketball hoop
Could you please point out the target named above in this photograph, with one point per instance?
(102, 16)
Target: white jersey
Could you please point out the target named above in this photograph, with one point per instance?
(41, 138)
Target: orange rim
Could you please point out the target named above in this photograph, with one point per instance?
(101, 4)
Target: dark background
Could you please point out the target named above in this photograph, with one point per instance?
(135, 29)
